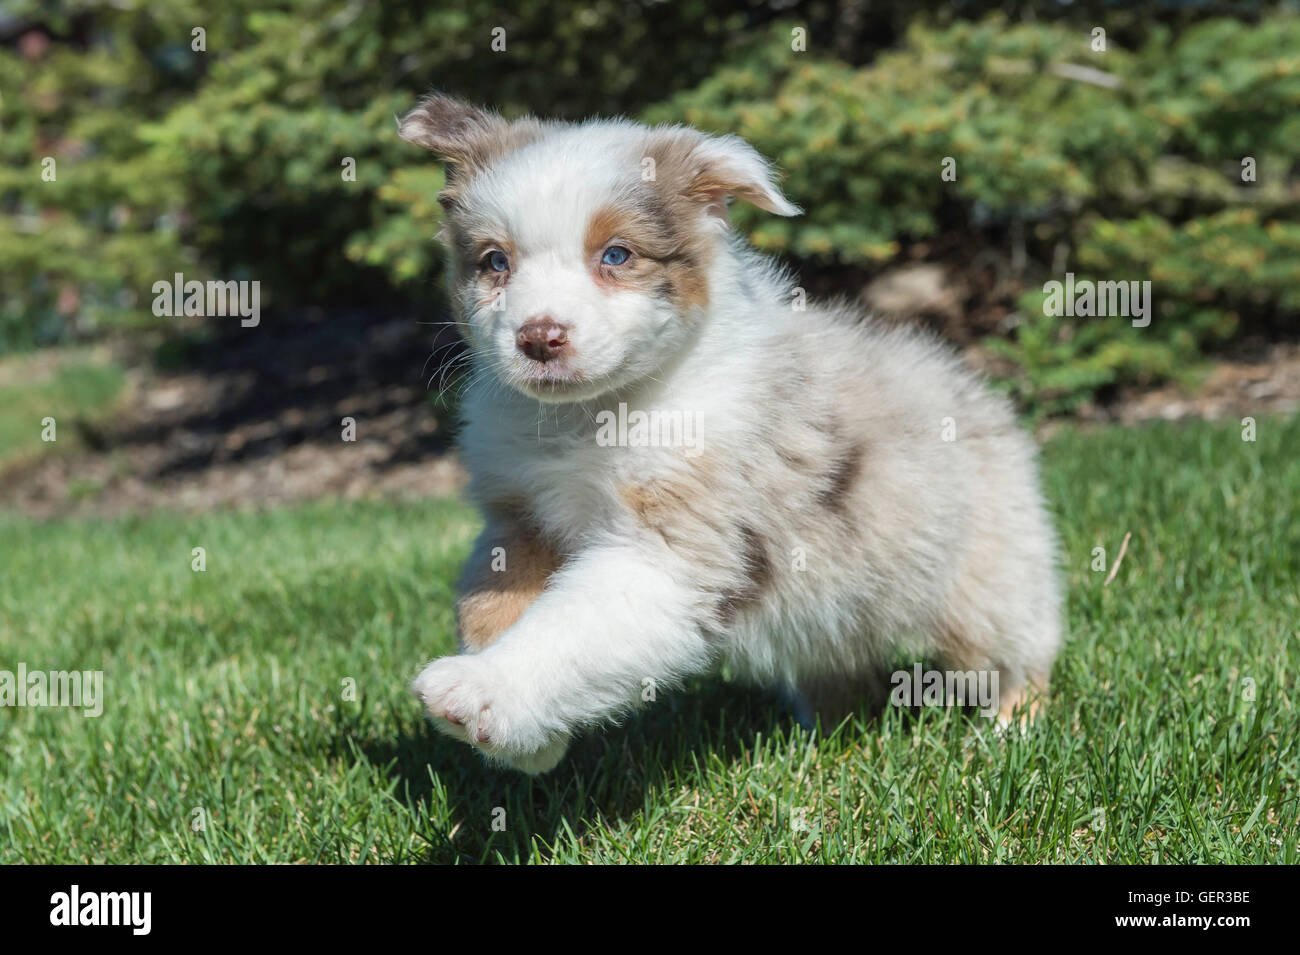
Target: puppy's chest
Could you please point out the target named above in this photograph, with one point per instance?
(570, 486)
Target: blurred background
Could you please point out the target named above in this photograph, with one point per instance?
(256, 142)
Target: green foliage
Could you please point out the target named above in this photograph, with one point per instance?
(863, 149)
(81, 251)
(1135, 171)
(229, 162)
(1205, 273)
(1229, 256)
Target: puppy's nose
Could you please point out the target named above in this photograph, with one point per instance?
(542, 338)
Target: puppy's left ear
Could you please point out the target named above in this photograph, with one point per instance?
(727, 166)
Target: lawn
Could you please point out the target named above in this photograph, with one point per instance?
(72, 386)
(230, 734)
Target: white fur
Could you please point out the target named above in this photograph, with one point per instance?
(931, 538)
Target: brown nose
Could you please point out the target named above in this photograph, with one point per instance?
(541, 339)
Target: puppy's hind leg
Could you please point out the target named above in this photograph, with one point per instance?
(1023, 671)
(1021, 705)
(1003, 616)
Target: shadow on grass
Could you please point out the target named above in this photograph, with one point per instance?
(606, 777)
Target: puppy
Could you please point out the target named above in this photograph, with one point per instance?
(682, 468)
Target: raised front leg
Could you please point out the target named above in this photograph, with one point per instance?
(507, 571)
(609, 620)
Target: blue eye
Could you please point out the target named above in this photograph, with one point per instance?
(614, 255)
(498, 262)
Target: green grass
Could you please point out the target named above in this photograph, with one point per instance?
(224, 699)
(70, 389)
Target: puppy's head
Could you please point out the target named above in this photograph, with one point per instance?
(581, 253)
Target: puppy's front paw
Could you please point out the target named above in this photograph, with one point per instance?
(453, 693)
(470, 703)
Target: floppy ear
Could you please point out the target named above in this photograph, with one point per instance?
(726, 166)
(467, 137)
(446, 126)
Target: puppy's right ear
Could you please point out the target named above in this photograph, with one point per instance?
(465, 136)
(447, 126)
